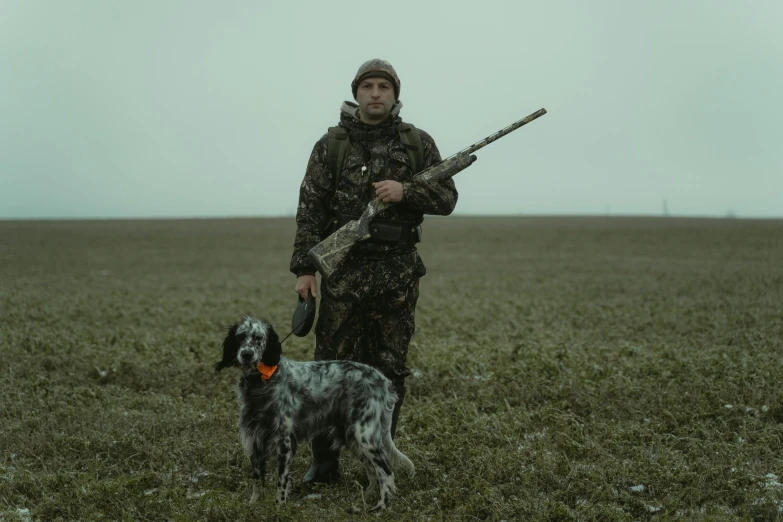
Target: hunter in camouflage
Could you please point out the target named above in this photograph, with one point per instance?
(367, 307)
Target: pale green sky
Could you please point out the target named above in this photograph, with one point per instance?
(163, 108)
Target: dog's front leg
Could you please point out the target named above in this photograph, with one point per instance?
(258, 462)
(285, 455)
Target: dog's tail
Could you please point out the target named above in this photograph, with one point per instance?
(398, 460)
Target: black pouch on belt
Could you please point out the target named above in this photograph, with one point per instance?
(387, 231)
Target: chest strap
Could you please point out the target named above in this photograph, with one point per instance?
(340, 141)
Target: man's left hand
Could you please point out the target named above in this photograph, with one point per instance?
(389, 191)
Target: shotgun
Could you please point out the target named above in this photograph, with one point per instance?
(329, 253)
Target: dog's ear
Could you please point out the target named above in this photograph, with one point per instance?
(273, 350)
(230, 348)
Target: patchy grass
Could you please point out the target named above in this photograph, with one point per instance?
(565, 369)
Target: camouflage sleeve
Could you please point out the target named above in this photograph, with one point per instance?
(313, 209)
(438, 198)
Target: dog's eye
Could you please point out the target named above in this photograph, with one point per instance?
(240, 336)
(256, 337)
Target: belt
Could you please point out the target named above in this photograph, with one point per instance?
(386, 231)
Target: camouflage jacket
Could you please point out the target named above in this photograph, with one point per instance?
(385, 158)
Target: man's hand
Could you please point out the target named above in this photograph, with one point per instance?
(306, 284)
(389, 191)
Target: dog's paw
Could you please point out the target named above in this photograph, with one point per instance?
(255, 496)
(378, 507)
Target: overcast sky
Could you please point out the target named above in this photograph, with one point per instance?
(185, 108)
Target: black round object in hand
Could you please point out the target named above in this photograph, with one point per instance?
(304, 315)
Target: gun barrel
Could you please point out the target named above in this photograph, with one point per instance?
(503, 132)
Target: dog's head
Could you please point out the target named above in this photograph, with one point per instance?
(248, 343)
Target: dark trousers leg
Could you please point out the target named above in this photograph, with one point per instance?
(326, 465)
(322, 449)
(399, 388)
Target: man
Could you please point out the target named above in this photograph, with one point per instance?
(367, 307)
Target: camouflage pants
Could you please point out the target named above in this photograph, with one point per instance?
(367, 312)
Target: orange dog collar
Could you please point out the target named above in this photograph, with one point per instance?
(266, 371)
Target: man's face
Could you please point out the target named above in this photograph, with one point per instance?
(375, 97)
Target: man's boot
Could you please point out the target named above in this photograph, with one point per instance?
(399, 389)
(325, 468)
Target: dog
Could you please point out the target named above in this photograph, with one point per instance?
(284, 403)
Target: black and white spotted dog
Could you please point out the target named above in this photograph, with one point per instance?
(286, 402)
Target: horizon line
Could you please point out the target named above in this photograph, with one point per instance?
(478, 215)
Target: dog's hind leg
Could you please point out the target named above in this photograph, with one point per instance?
(369, 469)
(385, 486)
(381, 471)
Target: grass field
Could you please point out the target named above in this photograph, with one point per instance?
(565, 369)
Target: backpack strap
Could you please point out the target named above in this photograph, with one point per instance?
(339, 142)
(411, 138)
(335, 152)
